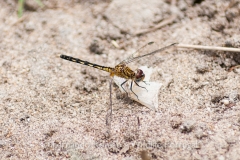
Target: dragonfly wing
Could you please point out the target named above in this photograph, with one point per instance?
(147, 54)
(147, 48)
(152, 53)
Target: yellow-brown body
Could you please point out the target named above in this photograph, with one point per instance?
(120, 70)
(123, 71)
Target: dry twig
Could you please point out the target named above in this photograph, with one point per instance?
(160, 25)
(208, 47)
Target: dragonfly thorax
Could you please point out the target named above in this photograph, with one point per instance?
(124, 71)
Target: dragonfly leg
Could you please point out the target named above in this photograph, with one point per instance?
(132, 90)
(109, 111)
(122, 86)
(146, 83)
(141, 86)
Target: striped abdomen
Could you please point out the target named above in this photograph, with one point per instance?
(107, 69)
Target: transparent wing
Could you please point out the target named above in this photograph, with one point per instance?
(150, 46)
(147, 54)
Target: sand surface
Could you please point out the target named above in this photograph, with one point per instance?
(54, 109)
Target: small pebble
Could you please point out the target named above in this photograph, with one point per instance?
(197, 146)
(175, 122)
(2, 144)
(75, 105)
(202, 69)
(31, 5)
(29, 26)
(187, 126)
(231, 140)
(199, 134)
(221, 157)
(225, 102)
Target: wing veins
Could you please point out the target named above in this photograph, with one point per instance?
(151, 53)
(129, 58)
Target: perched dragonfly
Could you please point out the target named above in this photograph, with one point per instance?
(122, 70)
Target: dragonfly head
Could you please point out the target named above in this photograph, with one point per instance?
(139, 75)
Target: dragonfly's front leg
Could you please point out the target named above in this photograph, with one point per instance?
(109, 111)
(146, 83)
(132, 90)
(122, 86)
(141, 86)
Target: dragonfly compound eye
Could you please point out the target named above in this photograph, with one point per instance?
(140, 75)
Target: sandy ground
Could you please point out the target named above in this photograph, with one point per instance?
(54, 109)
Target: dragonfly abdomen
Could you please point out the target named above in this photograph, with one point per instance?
(76, 60)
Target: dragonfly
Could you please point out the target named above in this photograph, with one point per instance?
(122, 70)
